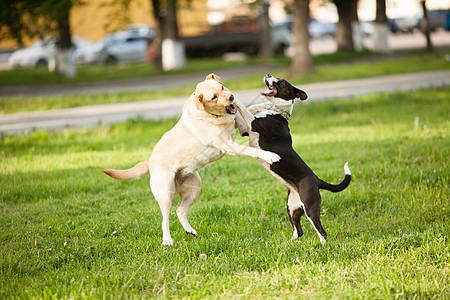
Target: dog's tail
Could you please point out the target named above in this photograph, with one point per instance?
(137, 171)
(338, 187)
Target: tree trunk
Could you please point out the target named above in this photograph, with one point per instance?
(302, 62)
(381, 30)
(65, 61)
(265, 44)
(346, 12)
(426, 26)
(381, 12)
(157, 39)
(168, 50)
(171, 24)
(357, 33)
(173, 53)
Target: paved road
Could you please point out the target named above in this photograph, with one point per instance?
(91, 116)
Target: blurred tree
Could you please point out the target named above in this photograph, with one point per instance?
(347, 12)
(265, 40)
(426, 26)
(171, 24)
(381, 30)
(302, 62)
(58, 12)
(118, 15)
(157, 38)
(42, 18)
(167, 48)
(12, 23)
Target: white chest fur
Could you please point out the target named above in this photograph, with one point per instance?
(277, 107)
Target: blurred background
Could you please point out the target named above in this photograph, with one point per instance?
(60, 35)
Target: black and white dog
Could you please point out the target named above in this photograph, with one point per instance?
(269, 130)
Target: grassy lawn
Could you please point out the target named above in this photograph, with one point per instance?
(69, 231)
(328, 68)
(90, 73)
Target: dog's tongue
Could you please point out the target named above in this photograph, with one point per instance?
(231, 109)
(269, 92)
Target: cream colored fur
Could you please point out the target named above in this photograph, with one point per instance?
(204, 133)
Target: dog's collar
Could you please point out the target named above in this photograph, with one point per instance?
(283, 110)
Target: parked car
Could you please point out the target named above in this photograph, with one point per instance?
(238, 35)
(33, 56)
(404, 25)
(39, 53)
(127, 49)
(316, 28)
(91, 54)
(218, 43)
(437, 18)
(122, 46)
(320, 29)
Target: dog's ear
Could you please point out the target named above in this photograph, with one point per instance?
(300, 94)
(199, 101)
(215, 77)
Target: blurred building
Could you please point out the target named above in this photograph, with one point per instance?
(95, 18)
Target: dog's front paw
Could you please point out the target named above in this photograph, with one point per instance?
(192, 232)
(270, 157)
(167, 241)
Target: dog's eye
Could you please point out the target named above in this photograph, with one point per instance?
(214, 97)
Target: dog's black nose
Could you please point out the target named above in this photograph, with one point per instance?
(231, 98)
(268, 75)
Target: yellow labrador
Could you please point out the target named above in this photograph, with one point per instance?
(204, 133)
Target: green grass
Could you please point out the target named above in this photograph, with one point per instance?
(328, 68)
(69, 231)
(366, 68)
(90, 73)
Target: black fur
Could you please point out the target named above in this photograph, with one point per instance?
(287, 91)
(274, 136)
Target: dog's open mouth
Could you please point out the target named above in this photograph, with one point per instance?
(271, 92)
(230, 109)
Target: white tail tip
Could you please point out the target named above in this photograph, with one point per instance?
(347, 169)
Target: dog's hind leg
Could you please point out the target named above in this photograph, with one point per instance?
(188, 188)
(163, 188)
(296, 216)
(314, 217)
(311, 201)
(295, 211)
